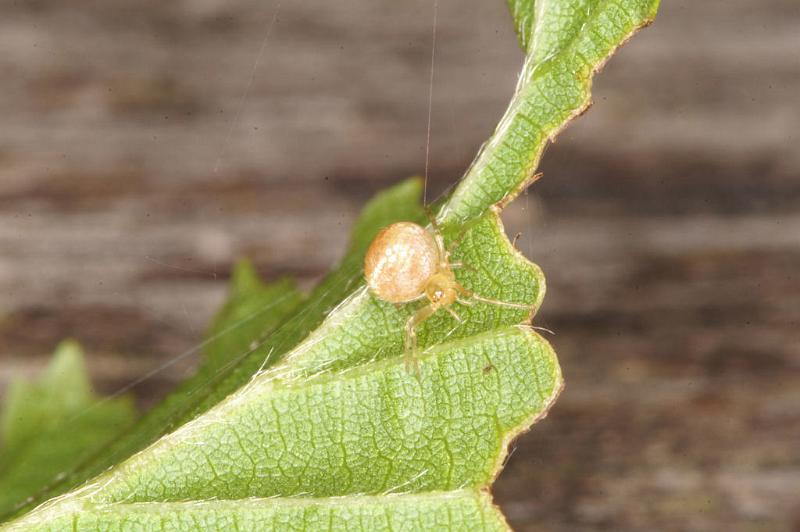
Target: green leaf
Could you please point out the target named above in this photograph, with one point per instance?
(341, 416)
(323, 426)
(252, 311)
(566, 42)
(49, 425)
(372, 430)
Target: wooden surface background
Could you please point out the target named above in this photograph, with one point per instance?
(146, 144)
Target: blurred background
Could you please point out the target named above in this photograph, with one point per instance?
(145, 145)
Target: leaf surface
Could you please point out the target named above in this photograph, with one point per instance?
(323, 427)
(53, 423)
(566, 42)
(375, 429)
(253, 330)
(253, 310)
(341, 416)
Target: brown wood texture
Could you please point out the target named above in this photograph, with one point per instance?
(144, 145)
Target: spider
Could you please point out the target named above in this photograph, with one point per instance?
(406, 263)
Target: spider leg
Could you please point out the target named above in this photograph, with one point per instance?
(457, 240)
(476, 297)
(432, 219)
(413, 322)
(499, 303)
(437, 234)
(453, 313)
(463, 291)
(459, 264)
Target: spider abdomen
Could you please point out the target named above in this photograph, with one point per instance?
(400, 261)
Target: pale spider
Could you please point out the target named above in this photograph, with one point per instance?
(405, 263)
